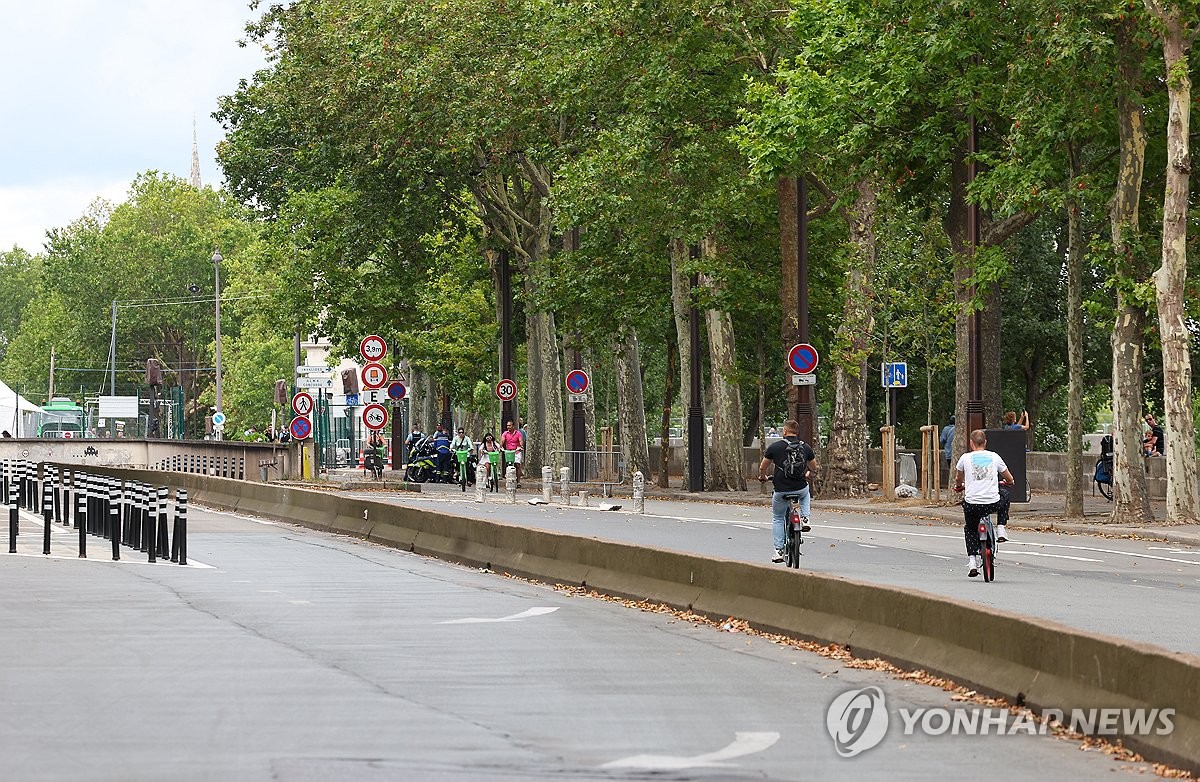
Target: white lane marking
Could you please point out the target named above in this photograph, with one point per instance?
(1054, 556)
(867, 545)
(126, 560)
(540, 611)
(746, 526)
(1173, 550)
(742, 744)
(938, 556)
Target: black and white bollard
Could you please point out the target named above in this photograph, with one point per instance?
(47, 511)
(114, 519)
(510, 485)
(547, 483)
(164, 547)
(14, 514)
(179, 539)
(639, 492)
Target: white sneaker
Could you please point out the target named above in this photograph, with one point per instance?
(1001, 534)
(777, 556)
(972, 566)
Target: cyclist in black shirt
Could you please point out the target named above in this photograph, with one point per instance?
(792, 462)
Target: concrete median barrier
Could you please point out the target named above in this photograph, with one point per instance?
(1038, 663)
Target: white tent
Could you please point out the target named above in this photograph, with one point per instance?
(18, 415)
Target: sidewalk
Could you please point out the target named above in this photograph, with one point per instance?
(1042, 512)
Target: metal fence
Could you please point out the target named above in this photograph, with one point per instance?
(591, 466)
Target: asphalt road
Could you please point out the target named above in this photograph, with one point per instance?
(282, 653)
(1137, 589)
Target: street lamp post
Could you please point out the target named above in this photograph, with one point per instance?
(218, 433)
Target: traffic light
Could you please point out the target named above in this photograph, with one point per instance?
(349, 381)
(281, 392)
(154, 375)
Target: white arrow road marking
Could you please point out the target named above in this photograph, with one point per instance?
(743, 744)
(541, 611)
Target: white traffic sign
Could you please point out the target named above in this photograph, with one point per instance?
(577, 397)
(804, 380)
(374, 376)
(372, 348)
(314, 382)
(313, 369)
(302, 403)
(218, 418)
(506, 390)
(375, 417)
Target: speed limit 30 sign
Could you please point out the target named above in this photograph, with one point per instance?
(375, 417)
(506, 390)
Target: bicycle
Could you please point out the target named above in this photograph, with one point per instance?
(493, 481)
(463, 456)
(796, 525)
(373, 463)
(987, 547)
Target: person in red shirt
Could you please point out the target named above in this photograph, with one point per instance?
(512, 440)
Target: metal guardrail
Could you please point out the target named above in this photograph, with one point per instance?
(592, 466)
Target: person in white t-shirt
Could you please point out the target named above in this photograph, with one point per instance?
(979, 473)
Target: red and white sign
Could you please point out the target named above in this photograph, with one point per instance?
(506, 390)
(372, 348)
(374, 376)
(302, 403)
(68, 434)
(375, 417)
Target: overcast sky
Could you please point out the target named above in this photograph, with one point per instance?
(94, 92)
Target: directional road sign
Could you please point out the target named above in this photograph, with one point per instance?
(578, 381)
(301, 428)
(314, 382)
(397, 391)
(506, 390)
(372, 348)
(302, 403)
(374, 376)
(313, 369)
(803, 359)
(375, 417)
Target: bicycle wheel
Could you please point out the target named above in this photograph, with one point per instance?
(462, 475)
(795, 540)
(989, 556)
(1105, 489)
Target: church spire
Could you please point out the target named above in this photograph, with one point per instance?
(195, 178)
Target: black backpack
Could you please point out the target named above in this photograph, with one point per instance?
(794, 464)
